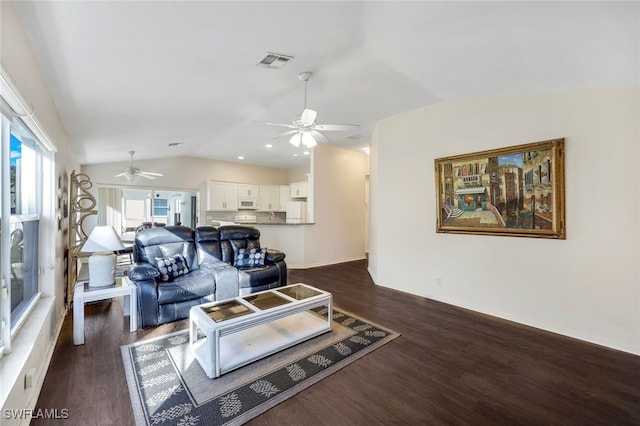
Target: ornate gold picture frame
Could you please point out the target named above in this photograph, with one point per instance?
(516, 191)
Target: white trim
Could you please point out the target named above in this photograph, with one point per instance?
(32, 348)
(318, 264)
(13, 96)
(25, 315)
(565, 332)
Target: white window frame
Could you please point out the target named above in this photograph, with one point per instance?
(13, 103)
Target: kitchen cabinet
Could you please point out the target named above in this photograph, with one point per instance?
(269, 198)
(248, 190)
(299, 189)
(221, 196)
(285, 197)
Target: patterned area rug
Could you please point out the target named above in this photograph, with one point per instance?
(168, 387)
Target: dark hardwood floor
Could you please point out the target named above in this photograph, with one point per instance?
(450, 366)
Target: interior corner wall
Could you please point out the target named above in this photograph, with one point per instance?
(587, 286)
(338, 233)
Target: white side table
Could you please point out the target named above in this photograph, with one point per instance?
(82, 294)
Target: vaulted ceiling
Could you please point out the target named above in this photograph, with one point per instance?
(140, 75)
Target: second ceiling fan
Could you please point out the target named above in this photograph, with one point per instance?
(131, 172)
(305, 130)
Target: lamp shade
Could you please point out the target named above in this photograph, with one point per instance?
(308, 140)
(295, 140)
(102, 239)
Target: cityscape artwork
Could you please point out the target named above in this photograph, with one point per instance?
(514, 191)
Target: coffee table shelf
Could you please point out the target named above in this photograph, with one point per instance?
(222, 345)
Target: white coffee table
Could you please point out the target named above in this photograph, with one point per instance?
(228, 334)
(82, 294)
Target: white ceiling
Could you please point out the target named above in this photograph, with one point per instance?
(139, 75)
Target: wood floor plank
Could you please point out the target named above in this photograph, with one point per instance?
(450, 366)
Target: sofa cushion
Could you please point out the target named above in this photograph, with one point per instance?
(234, 238)
(257, 279)
(207, 240)
(196, 284)
(165, 241)
(171, 267)
(250, 258)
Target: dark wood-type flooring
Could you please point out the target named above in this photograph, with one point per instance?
(450, 366)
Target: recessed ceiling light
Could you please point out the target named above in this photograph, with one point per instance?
(295, 155)
(306, 153)
(366, 150)
(240, 157)
(269, 145)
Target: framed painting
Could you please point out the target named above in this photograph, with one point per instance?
(516, 191)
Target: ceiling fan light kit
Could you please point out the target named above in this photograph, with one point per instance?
(305, 131)
(303, 137)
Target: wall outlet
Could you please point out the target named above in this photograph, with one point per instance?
(28, 378)
(438, 281)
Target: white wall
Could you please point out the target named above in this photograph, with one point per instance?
(338, 234)
(186, 173)
(587, 286)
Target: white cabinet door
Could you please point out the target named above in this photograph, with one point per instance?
(269, 198)
(298, 189)
(222, 196)
(248, 190)
(285, 197)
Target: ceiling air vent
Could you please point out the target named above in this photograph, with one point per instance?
(353, 136)
(274, 60)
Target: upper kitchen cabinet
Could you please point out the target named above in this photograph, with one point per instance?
(269, 198)
(299, 190)
(221, 196)
(248, 190)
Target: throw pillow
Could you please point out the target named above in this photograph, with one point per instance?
(172, 267)
(252, 258)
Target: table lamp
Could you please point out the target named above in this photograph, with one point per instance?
(102, 242)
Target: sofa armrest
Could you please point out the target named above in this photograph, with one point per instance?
(219, 264)
(226, 279)
(143, 276)
(143, 271)
(274, 256)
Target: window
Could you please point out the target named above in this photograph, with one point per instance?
(21, 167)
(160, 208)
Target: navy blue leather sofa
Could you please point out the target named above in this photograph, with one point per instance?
(177, 267)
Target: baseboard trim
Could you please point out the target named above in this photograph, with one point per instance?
(594, 340)
(326, 263)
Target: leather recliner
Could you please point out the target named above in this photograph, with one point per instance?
(251, 279)
(209, 254)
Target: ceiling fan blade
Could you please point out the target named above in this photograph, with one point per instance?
(290, 126)
(145, 176)
(308, 117)
(319, 137)
(290, 132)
(150, 173)
(334, 127)
(121, 174)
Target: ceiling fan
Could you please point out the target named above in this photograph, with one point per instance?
(305, 130)
(131, 172)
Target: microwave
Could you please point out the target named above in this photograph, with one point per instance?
(247, 203)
